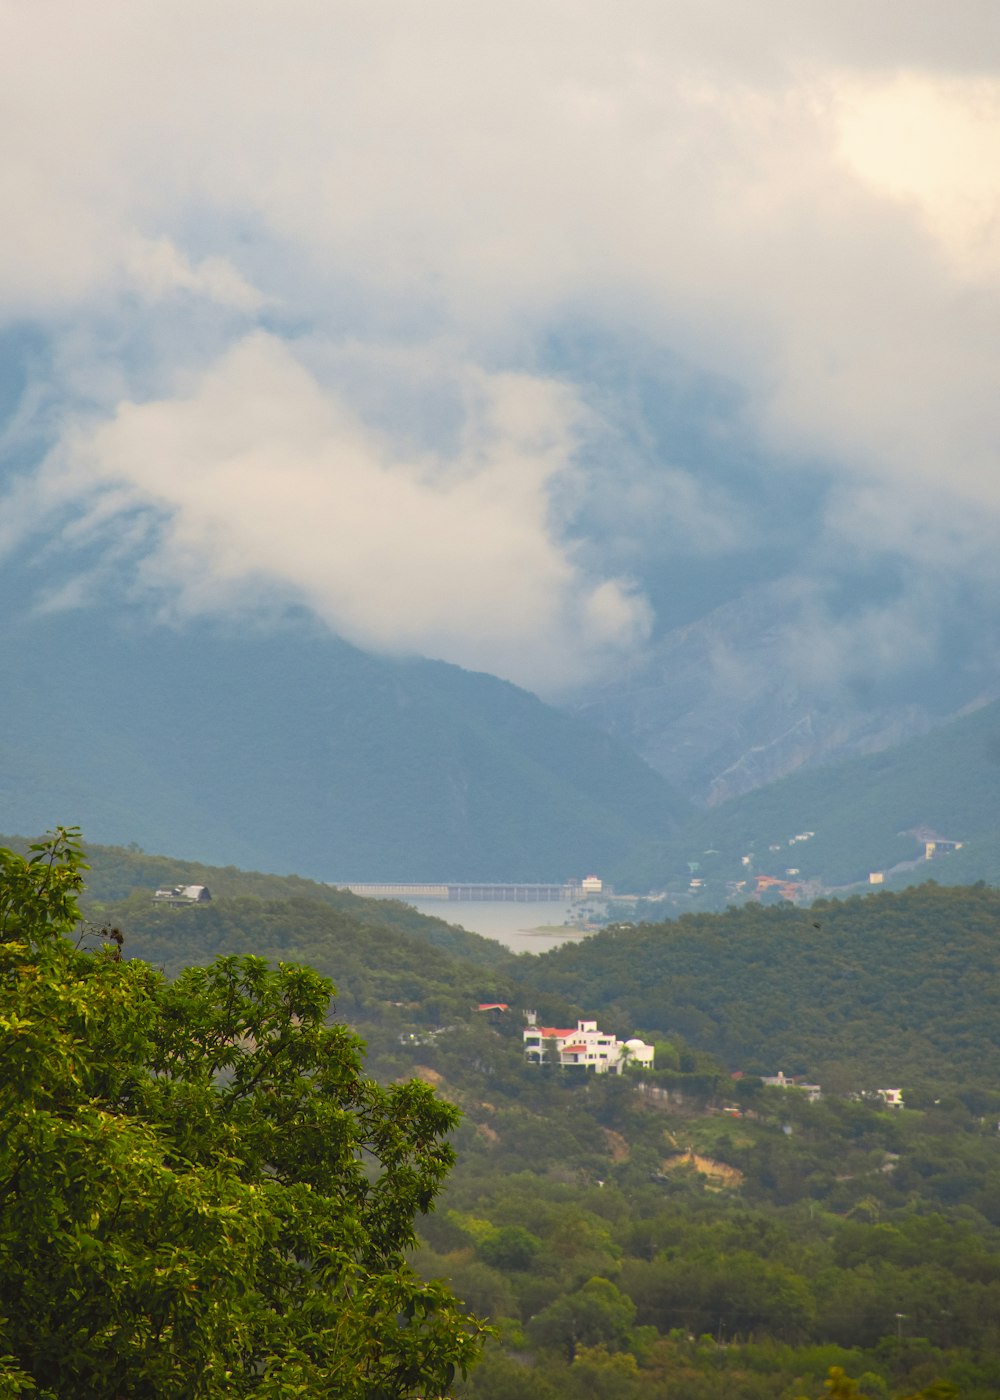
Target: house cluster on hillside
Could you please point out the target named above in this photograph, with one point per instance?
(583, 1047)
(891, 1098)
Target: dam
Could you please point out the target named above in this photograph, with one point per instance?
(475, 892)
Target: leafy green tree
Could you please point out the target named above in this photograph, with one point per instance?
(200, 1195)
(598, 1374)
(510, 1247)
(840, 1386)
(597, 1314)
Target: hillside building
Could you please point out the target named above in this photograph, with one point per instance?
(583, 1047)
(813, 1092)
(181, 895)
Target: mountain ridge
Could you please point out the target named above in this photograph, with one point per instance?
(287, 748)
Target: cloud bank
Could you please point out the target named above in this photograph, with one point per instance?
(298, 270)
(259, 473)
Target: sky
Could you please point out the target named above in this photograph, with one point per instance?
(510, 334)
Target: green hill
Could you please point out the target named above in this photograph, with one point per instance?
(120, 884)
(641, 1237)
(900, 987)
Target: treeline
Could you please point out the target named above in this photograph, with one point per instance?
(386, 976)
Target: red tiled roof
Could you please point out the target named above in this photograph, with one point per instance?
(493, 1006)
(573, 1049)
(550, 1032)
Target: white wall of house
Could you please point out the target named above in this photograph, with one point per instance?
(585, 1046)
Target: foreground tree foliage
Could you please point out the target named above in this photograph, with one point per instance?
(199, 1193)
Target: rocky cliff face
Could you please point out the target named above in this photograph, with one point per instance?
(759, 688)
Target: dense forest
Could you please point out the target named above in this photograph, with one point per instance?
(689, 1234)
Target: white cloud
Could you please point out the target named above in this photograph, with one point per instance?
(799, 196)
(262, 473)
(931, 142)
(157, 268)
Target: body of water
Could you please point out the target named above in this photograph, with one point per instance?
(524, 928)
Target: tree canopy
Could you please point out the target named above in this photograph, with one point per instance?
(200, 1195)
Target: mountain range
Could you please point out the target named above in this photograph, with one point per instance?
(269, 743)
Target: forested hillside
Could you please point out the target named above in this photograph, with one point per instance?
(116, 874)
(689, 1236)
(899, 987)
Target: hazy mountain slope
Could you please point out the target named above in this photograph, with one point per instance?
(286, 749)
(867, 813)
(757, 688)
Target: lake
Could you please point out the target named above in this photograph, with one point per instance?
(510, 924)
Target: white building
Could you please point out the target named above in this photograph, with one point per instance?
(179, 895)
(813, 1092)
(584, 1046)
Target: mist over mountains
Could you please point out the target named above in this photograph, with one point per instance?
(671, 402)
(745, 695)
(163, 689)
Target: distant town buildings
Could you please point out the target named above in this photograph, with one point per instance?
(583, 1047)
(788, 889)
(940, 847)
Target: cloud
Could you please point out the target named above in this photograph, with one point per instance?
(157, 268)
(796, 198)
(260, 472)
(930, 143)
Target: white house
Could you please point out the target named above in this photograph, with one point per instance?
(584, 1046)
(813, 1092)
